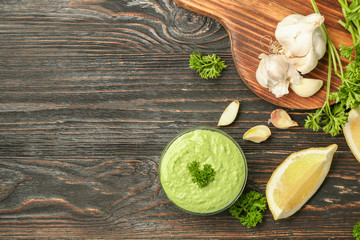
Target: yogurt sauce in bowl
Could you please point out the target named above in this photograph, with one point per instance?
(207, 146)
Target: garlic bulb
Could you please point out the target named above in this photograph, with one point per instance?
(276, 74)
(302, 39)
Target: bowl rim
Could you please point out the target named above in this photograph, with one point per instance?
(214, 130)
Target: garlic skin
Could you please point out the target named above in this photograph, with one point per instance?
(307, 87)
(276, 74)
(302, 39)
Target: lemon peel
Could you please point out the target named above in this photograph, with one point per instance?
(352, 132)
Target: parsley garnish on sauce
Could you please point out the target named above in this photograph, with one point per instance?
(201, 177)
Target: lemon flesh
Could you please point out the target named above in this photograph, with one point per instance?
(352, 132)
(297, 179)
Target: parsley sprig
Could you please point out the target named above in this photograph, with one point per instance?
(356, 231)
(349, 92)
(201, 177)
(333, 118)
(209, 66)
(249, 208)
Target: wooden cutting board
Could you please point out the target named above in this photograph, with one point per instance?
(248, 21)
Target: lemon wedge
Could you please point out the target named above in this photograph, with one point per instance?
(352, 132)
(297, 179)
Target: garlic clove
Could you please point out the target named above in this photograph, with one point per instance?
(293, 74)
(281, 119)
(257, 134)
(261, 73)
(319, 40)
(307, 87)
(307, 63)
(229, 114)
(280, 89)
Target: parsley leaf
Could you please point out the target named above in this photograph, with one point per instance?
(209, 66)
(201, 177)
(346, 52)
(249, 208)
(353, 13)
(313, 120)
(356, 231)
(334, 121)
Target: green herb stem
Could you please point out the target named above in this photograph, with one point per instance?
(329, 77)
(332, 118)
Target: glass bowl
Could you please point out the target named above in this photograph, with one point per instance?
(207, 146)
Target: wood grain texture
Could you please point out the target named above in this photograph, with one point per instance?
(249, 21)
(91, 92)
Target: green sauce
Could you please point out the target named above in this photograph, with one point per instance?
(206, 147)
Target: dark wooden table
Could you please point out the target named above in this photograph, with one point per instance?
(92, 90)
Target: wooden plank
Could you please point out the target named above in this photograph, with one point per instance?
(87, 106)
